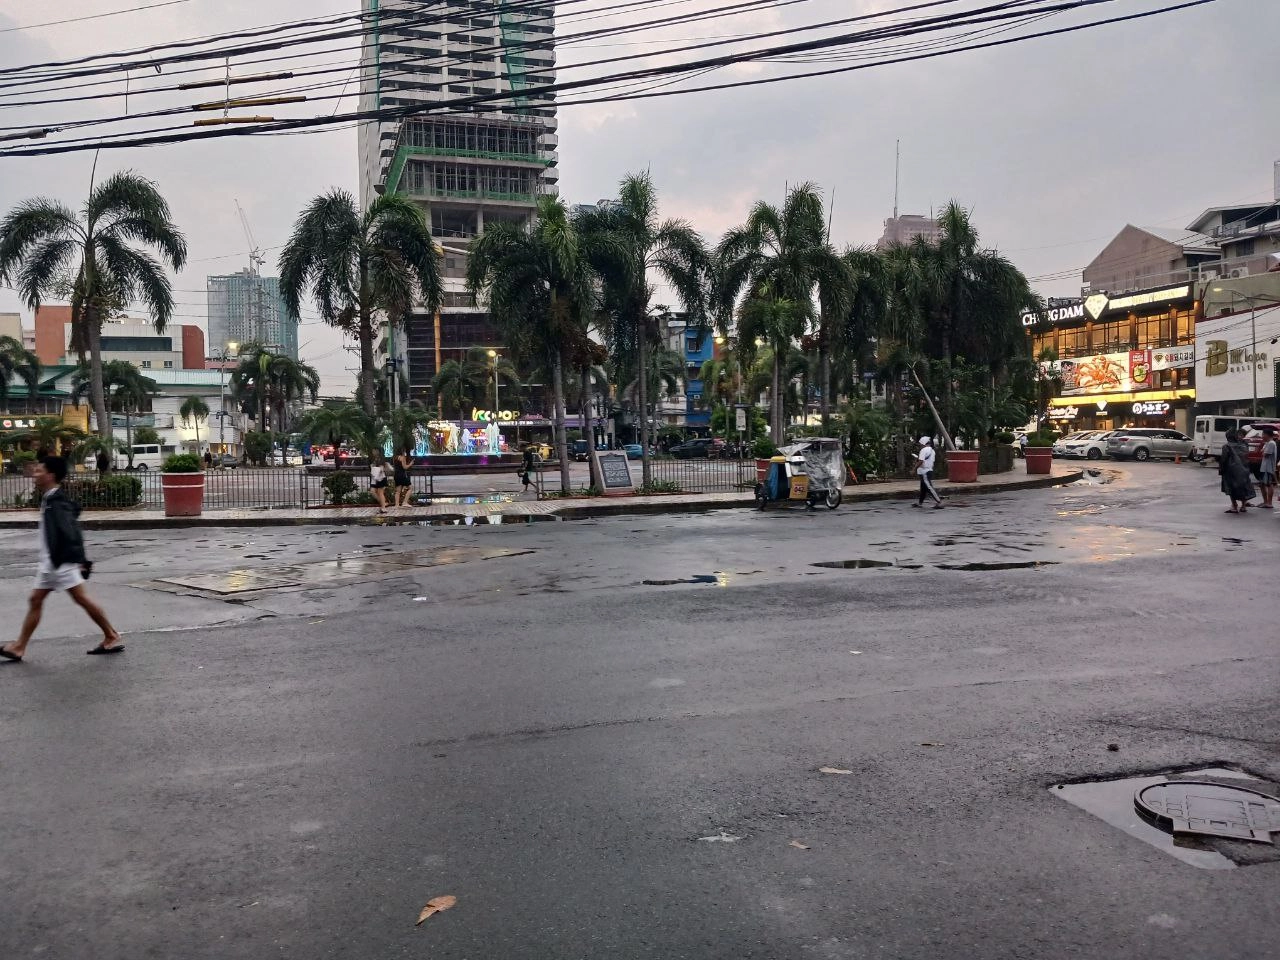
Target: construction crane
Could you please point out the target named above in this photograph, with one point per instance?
(253, 305)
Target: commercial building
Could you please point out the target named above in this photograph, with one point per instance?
(180, 347)
(905, 228)
(1142, 258)
(1125, 360)
(245, 307)
(1237, 340)
(465, 169)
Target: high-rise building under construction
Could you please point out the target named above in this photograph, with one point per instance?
(468, 164)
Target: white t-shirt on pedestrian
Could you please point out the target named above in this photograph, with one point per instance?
(927, 455)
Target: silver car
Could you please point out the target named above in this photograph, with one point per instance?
(1145, 443)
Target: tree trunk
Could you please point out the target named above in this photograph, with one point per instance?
(366, 362)
(642, 354)
(562, 445)
(775, 405)
(824, 385)
(128, 434)
(95, 375)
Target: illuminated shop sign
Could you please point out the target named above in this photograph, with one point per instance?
(1173, 358)
(15, 424)
(1072, 311)
(494, 416)
(1064, 413)
(1106, 373)
(1151, 408)
(1153, 296)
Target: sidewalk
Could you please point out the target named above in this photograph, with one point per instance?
(530, 511)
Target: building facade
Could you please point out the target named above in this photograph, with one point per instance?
(905, 228)
(1142, 258)
(179, 347)
(1237, 340)
(245, 307)
(1127, 360)
(466, 169)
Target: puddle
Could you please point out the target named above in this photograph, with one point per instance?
(1004, 565)
(492, 519)
(1112, 801)
(699, 578)
(853, 564)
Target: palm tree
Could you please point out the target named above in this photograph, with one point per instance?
(289, 381)
(357, 266)
(195, 410)
(670, 248)
(333, 425)
(43, 244)
(540, 291)
(778, 321)
(93, 444)
(127, 389)
(250, 383)
(49, 433)
(784, 256)
(462, 381)
(16, 361)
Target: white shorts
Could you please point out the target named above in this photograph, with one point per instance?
(66, 577)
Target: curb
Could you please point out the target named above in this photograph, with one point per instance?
(615, 508)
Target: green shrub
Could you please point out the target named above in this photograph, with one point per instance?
(339, 487)
(182, 463)
(257, 444)
(762, 448)
(660, 486)
(1042, 438)
(115, 491)
(1005, 436)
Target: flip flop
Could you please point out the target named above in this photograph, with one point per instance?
(12, 657)
(100, 650)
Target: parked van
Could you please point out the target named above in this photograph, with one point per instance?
(1211, 433)
(147, 456)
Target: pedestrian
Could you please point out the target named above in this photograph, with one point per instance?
(378, 481)
(526, 470)
(208, 459)
(1267, 469)
(401, 466)
(62, 564)
(102, 461)
(924, 469)
(1234, 470)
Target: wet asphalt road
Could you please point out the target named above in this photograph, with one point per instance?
(602, 768)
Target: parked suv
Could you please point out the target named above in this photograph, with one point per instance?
(1144, 443)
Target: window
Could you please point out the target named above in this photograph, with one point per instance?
(146, 364)
(1223, 424)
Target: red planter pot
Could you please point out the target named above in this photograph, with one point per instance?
(1039, 459)
(962, 466)
(183, 494)
(762, 470)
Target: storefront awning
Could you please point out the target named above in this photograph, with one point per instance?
(1121, 398)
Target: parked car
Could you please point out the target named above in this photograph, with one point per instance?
(1090, 445)
(1210, 433)
(292, 459)
(697, 448)
(228, 461)
(634, 451)
(1255, 439)
(1065, 446)
(580, 450)
(146, 456)
(1144, 443)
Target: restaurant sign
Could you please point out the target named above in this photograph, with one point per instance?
(1059, 314)
(15, 423)
(1173, 358)
(1151, 408)
(1106, 373)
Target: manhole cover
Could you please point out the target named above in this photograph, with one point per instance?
(1210, 809)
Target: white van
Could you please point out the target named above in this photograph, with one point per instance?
(1211, 433)
(148, 456)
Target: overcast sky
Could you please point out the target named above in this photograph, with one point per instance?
(1054, 144)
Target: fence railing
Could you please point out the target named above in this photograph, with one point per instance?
(704, 476)
(242, 489)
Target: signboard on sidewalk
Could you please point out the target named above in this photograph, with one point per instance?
(741, 419)
(611, 473)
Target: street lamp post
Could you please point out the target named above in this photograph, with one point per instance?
(230, 348)
(493, 362)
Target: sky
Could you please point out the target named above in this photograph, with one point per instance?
(1053, 144)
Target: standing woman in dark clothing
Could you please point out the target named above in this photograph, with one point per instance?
(528, 466)
(401, 466)
(1233, 467)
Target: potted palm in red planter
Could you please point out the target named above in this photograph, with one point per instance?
(1039, 452)
(183, 485)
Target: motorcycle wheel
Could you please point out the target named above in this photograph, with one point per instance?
(833, 499)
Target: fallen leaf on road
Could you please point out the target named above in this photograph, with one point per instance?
(834, 770)
(435, 905)
(798, 845)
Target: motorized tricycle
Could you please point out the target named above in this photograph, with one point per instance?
(809, 471)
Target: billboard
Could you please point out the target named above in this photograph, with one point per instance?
(1106, 373)
(1228, 364)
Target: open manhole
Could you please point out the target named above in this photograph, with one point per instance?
(1215, 818)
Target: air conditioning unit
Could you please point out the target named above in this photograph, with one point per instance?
(1208, 274)
(1239, 272)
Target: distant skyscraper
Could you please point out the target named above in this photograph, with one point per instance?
(249, 309)
(906, 228)
(484, 164)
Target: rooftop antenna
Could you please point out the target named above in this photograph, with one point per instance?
(897, 159)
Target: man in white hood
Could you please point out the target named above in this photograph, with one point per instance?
(924, 468)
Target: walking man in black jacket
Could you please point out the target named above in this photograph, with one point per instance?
(63, 565)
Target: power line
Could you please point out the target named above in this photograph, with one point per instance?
(92, 16)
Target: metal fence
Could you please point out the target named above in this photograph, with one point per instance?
(242, 489)
(704, 476)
